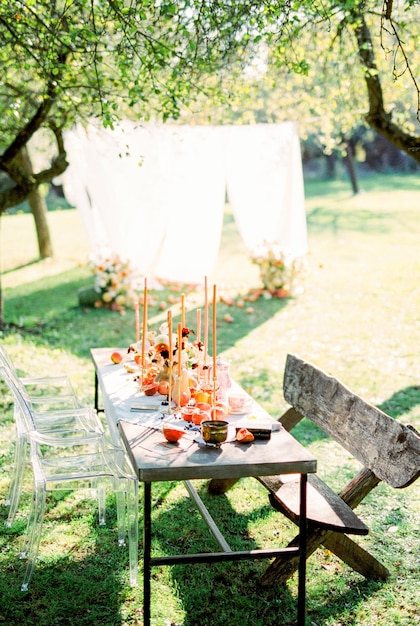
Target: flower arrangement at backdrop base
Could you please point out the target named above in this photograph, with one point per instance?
(279, 271)
(115, 282)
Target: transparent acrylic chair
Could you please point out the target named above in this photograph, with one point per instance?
(45, 392)
(60, 414)
(73, 461)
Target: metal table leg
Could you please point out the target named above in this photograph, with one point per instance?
(148, 561)
(302, 552)
(97, 409)
(147, 546)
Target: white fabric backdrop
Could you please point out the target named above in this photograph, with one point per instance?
(166, 215)
(265, 186)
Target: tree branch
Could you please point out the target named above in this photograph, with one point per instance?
(377, 117)
(392, 30)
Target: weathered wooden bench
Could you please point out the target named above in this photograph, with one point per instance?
(388, 451)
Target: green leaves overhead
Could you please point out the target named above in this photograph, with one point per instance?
(68, 60)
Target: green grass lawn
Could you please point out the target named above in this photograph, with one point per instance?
(357, 318)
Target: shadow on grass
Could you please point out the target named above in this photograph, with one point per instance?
(219, 593)
(48, 309)
(20, 267)
(80, 588)
(401, 401)
(371, 184)
(229, 593)
(323, 219)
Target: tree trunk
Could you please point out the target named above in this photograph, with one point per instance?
(377, 117)
(351, 167)
(38, 208)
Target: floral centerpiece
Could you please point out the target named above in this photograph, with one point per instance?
(157, 356)
(115, 282)
(278, 270)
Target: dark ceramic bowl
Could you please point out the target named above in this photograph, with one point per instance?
(214, 432)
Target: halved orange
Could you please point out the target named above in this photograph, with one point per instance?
(172, 434)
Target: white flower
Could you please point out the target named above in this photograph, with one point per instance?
(115, 280)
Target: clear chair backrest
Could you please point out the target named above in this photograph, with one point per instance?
(23, 414)
(5, 360)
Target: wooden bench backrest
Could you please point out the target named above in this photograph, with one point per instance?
(382, 444)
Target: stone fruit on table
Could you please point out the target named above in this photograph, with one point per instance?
(202, 396)
(163, 387)
(182, 399)
(203, 406)
(116, 357)
(217, 413)
(181, 392)
(172, 434)
(199, 417)
(243, 435)
(150, 390)
(224, 407)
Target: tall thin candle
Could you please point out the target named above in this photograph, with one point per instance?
(214, 330)
(170, 359)
(198, 329)
(206, 321)
(183, 310)
(170, 336)
(137, 318)
(143, 345)
(179, 348)
(214, 346)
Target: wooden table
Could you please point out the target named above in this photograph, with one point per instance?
(154, 459)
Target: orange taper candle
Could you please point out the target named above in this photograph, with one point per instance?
(179, 348)
(170, 359)
(183, 310)
(170, 335)
(198, 329)
(206, 321)
(137, 318)
(214, 347)
(143, 345)
(214, 331)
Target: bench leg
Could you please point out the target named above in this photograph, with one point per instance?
(280, 570)
(359, 559)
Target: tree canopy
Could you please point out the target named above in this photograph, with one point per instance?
(64, 61)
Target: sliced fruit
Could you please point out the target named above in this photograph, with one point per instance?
(243, 435)
(150, 390)
(172, 434)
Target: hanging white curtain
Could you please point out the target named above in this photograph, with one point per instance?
(265, 186)
(75, 181)
(193, 176)
(123, 180)
(154, 194)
